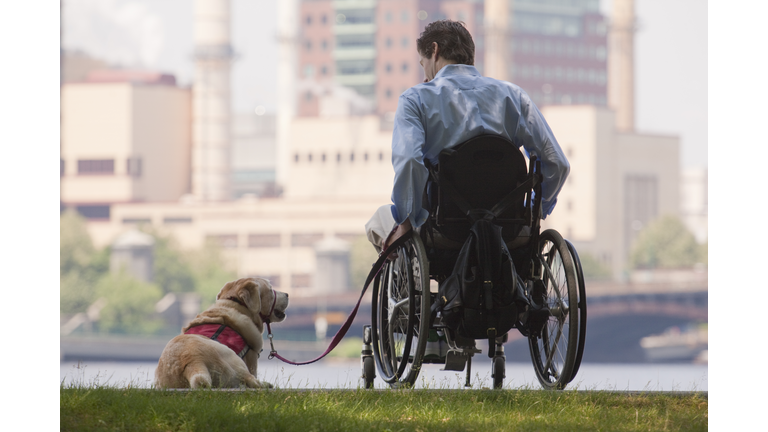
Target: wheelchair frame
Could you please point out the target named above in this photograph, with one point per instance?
(401, 320)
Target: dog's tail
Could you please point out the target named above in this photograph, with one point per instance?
(197, 375)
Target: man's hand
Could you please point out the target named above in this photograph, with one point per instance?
(397, 232)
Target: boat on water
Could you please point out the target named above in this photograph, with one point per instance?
(677, 345)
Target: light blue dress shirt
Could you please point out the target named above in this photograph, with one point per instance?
(459, 104)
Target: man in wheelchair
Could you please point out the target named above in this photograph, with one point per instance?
(460, 174)
(454, 104)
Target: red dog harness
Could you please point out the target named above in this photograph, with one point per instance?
(224, 335)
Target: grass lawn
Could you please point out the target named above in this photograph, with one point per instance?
(110, 408)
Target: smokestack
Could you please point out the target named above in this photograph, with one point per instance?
(621, 64)
(496, 29)
(211, 101)
(288, 34)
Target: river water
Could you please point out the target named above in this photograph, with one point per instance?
(345, 374)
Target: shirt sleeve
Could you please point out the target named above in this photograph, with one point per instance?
(537, 139)
(408, 139)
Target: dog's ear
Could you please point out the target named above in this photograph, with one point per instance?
(227, 286)
(248, 293)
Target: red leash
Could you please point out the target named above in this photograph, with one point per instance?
(343, 330)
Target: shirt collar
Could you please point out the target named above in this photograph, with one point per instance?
(457, 69)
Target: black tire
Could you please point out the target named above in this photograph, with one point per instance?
(582, 309)
(499, 366)
(553, 353)
(396, 327)
(369, 371)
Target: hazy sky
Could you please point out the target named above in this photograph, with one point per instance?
(671, 55)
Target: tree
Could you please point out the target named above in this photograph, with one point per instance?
(130, 305)
(80, 264)
(665, 243)
(593, 268)
(210, 271)
(172, 270)
(361, 259)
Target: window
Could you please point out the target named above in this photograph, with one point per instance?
(96, 166)
(381, 156)
(309, 157)
(324, 70)
(405, 42)
(388, 42)
(296, 158)
(388, 16)
(93, 211)
(365, 157)
(388, 68)
(264, 240)
(324, 44)
(177, 220)
(352, 157)
(388, 94)
(308, 45)
(308, 96)
(61, 167)
(301, 280)
(137, 220)
(227, 241)
(309, 19)
(324, 19)
(405, 16)
(322, 157)
(305, 239)
(273, 279)
(405, 67)
(133, 166)
(338, 157)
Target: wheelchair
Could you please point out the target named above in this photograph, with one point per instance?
(488, 173)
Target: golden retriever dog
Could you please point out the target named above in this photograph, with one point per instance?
(221, 346)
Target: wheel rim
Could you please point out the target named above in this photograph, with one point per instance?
(582, 309)
(399, 315)
(554, 353)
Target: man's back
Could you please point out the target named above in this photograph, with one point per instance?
(459, 104)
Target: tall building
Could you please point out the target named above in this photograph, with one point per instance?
(559, 51)
(556, 50)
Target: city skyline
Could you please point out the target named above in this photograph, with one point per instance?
(662, 73)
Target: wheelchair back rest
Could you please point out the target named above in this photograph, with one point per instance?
(478, 174)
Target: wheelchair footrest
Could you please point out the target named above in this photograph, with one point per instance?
(456, 360)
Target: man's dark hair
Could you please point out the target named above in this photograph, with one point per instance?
(452, 37)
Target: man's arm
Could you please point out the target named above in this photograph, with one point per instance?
(537, 138)
(411, 175)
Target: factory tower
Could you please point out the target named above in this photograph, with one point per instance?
(211, 101)
(621, 64)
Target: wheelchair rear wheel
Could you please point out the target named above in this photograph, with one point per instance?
(582, 310)
(554, 352)
(400, 312)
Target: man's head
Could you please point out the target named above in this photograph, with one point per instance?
(444, 42)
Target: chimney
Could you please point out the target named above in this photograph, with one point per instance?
(211, 101)
(496, 41)
(621, 64)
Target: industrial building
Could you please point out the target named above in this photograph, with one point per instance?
(332, 144)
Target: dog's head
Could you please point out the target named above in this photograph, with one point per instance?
(258, 296)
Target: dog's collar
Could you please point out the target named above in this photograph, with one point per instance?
(237, 300)
(265, 318)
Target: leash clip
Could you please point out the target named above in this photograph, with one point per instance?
(273, 352)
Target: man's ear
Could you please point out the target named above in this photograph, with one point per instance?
(436, 49)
